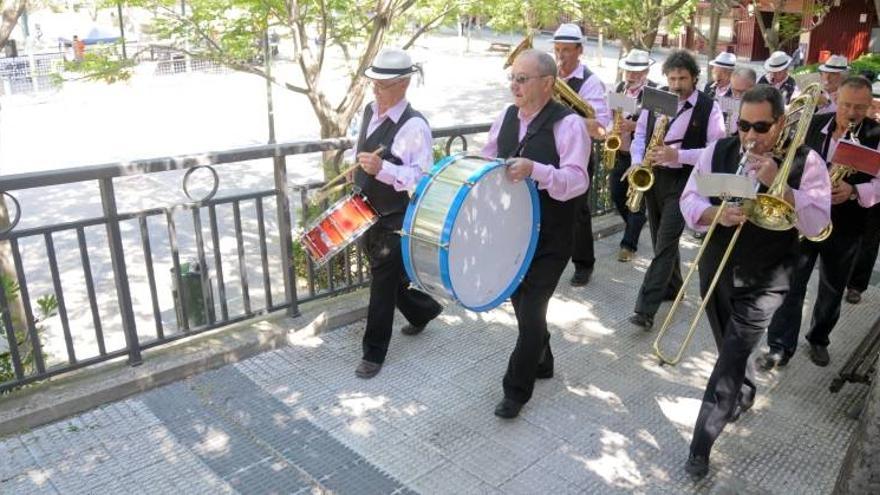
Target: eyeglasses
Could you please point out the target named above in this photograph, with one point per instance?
(759, 127)
(521, 79)
(387, 84)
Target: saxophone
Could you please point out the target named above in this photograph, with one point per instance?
(641, 179)
(613, 141)
(837, 173)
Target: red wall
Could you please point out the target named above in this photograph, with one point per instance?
(841, 33)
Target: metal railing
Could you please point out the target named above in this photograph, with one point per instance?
(105, 274)
(29, 73)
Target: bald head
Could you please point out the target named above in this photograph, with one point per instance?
(542, 62)
(532, 77)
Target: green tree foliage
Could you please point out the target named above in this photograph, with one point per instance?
(634, 22)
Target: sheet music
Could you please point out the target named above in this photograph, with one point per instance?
(628, 104)
(725, 186)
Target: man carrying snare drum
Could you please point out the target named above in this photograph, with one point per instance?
(546, 141)
(384, 178)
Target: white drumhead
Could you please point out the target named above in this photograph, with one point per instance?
(490, 240)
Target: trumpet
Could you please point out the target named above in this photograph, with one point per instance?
(837, 174)
(562, 92)
(768, 210)
(613, 141)
(641, 179)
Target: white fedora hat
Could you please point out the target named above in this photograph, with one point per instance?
(778, 61)
(835, 63)
(568, 33)
(391, 63)
(725, 60)
(636, 61)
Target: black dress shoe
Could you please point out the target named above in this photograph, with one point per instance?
(410, 329)
(581, 277)
(773, 359)
(544, 374)
(367, 369)
(853, 296)
(508, 408)
(642, 320)
(697, 467)
(819, 355)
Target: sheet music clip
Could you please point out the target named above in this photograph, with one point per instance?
(725, 186)
(626, 104)
(659, 101)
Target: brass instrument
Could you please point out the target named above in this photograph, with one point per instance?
(562, 92)
(641, 179)
(837, 173)
(769, 210)
(613, 141)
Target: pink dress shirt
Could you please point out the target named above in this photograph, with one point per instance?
(869, 192)
(812, 201)
(592, 92)
(412, 145)
(716, 130)
(572, 143)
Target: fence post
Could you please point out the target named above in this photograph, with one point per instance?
(285, 238)
(120, 274)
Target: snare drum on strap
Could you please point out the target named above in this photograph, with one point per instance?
(345, 221)
(470, 232)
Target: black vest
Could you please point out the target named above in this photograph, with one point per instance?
(576, 83)
(539, 144)
(696, 135)
(787, 87)
(761, 258)
(848, 217)
(382, 197)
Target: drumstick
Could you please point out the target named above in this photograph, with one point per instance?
(324, 194)
(347, 171)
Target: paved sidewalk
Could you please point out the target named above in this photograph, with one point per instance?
(297, 420)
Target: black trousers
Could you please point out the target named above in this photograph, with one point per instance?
(532, 352)
(634, 222)
(738, 316)
(666, 225)
(583, 255)
(864, 266)
(389, 288)
(836, 256)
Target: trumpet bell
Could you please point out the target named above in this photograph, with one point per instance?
(825, 234)
(770, 212)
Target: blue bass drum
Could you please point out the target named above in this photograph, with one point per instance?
(470, 232)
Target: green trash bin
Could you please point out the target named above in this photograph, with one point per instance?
(198, 300)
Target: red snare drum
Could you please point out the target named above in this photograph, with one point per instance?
(341, 225)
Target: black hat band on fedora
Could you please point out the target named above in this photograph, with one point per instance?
(725, 64)
(637, 64)
(779, 64)
(566, 38)
(837, 67)
(400, 72)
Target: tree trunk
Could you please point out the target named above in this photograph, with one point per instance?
(7, 270)
(11, 13)
(714, 27)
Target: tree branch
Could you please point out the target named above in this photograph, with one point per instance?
(10, 18)
(428, 26)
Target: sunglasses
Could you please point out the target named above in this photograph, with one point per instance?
(521, 79)
(759, 127)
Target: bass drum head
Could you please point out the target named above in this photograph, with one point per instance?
(492, 233)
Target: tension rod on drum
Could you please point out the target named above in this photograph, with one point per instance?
(420, 238)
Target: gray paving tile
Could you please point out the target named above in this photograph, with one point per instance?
(453, 480)
(269, 477)
(31, 482)
(16, 458)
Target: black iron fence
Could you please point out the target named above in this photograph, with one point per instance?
(86, 290)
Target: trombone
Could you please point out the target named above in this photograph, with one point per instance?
(769, 210)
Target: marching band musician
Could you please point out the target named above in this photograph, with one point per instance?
(699, 121)
(722, 70)
(831, 73)
(384, 178)
(756, 277)
(742, 80)
(850, 201)
(546, 141)
(635, 77)
(568, 48)
(777, 75)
